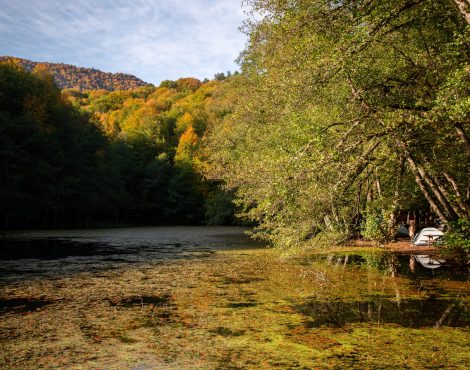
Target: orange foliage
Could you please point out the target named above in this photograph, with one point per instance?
(188, 83)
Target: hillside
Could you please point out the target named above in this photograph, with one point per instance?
(70, 76)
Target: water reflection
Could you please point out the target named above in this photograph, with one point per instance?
(428, 312)
(388, 288)
(428, 262)
(393, 264)
(73, 305)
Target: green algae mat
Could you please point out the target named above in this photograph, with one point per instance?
(211, 299)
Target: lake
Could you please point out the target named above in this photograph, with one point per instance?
(210, 297)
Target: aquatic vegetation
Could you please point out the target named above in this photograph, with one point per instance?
(235, 308)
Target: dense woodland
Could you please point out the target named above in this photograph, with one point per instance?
(68, 76)
(346, 118)
(349, 115)
(72, 158)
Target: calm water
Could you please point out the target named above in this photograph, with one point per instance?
(413, 294)
(209, 297)
(35, 254)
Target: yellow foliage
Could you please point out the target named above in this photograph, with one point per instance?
(188, 83)
(132, 102)
(109, 123)
(162, 98)
(187, 146)
(183, 123)
(95, 94)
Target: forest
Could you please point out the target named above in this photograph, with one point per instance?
(262, 219)
(68, 76)
(72, 158)
(347, 116)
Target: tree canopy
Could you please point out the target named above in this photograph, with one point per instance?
(68, 76)
(347, 114)
(75, 158)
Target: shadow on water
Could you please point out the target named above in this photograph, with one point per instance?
(46, 249)
(38, 254)
(22, 305)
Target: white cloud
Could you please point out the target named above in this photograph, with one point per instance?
(153, 39)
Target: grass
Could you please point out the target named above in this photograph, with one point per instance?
(231, 310)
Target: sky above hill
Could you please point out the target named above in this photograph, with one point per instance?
(152, 39)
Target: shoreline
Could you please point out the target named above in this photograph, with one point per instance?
(398, 246)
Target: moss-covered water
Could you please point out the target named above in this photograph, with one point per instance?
(210, 298)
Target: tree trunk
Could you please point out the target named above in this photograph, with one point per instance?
(379, 188)
(447, 313)
(425, 191)
(460, 200)
(335, 215)
(361, 164)
(437, 191)
(464, 7)
(422, 179)
(463, 136)
(392, 221)
(435, 188)
(454, 206)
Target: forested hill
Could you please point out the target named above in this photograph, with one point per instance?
(70, 76)
(87, 158)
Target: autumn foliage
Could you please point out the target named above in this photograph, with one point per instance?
(75, 158)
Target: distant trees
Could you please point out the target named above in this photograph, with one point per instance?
(71, 77)
(222, 76)
(187, 147)
(168, 84)
(347, 115)
(188, 83)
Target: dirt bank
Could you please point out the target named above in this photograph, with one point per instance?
(401, 245)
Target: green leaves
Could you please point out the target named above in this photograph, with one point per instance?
(333, 98)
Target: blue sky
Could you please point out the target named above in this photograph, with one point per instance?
(152, 39)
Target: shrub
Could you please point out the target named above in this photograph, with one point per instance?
(456, 242)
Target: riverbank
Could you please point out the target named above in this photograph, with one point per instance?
(401, 246)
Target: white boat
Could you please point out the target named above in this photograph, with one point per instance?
(428, 262)
(427, 236)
